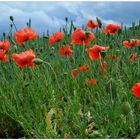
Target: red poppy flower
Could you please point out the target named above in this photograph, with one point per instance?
(111, 29)
(136, 90)
(5, 45)
(95, 52)
(104, 63)
(66, 51)
(25, 35)
(133, 57)
(3, 56)
(84, 68)
(25, 58)
(92, 81)
(131, 43)
(57, 37)
(74, 73)
(115, 56)
(79, 36)
(92, 24)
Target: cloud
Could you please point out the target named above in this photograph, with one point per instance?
(40, 20)
(51, 15)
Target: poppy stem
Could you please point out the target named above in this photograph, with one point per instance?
(101, 64)
(84, 52)
(14, 25)
(10, 31)
(103, 69)
(54, 75)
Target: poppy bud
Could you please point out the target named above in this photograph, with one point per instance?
(99, 22)
(66, 19)
(30, 23)
(64, 43)
(126, 108)
(65, 73)
(4, 35)
(11, 18)
(103, 53)
(27, 24)
(74, 28)
(11, 25)
(38, 61)
(46, 37)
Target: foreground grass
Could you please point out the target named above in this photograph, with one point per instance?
(47, 102)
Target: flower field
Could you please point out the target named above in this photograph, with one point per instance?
(76, 83)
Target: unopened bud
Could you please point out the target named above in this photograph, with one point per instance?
(126, 108)
(11, 18)
(103, 54)
(38, 61)
(46, 37)
(64, 43)
(30, 23)
(27, 24)
(66, 19)
(11, 25)
(99, 22)
(74, 28)
(4, 35)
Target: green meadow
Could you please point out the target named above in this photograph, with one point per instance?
(48, 102)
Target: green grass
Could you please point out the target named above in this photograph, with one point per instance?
(47, 102)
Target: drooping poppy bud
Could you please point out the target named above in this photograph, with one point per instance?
(99, 22)
(38, 61)
(46, 37)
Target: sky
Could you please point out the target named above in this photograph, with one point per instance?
(47, 15)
